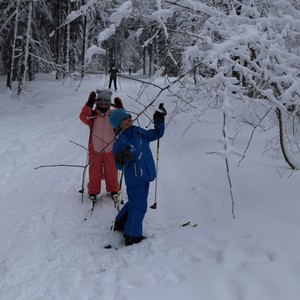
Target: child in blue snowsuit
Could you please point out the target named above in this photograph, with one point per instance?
(132, 152)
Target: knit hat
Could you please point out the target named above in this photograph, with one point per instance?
(117, 117)
(104, 96)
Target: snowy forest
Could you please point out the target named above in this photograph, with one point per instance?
(241, 57)
(227, 190)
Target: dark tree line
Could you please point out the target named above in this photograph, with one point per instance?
(27, 45)
(46, 36)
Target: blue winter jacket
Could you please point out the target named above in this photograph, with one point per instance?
(141, 167)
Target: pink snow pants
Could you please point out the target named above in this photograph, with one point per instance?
(102, 167)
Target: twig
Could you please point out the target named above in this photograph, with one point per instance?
(252, 134)
(60, 165)
(85, 148)
(81, 79)
(227, 166)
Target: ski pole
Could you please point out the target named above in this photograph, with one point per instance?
(86, 166)
(154, 205)
(163, 111)
(119, 82)
(116, 201)
(117, 198)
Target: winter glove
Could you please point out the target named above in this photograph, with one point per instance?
(118, 103)
(91, 99)
(123, 157)
(159, 115)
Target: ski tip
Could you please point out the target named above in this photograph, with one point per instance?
(110, 247)
(189, 224)
(153, 206)
(186, 224)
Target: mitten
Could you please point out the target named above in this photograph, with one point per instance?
(123, 157)
(91, 99)
(159, 115)
(118, 103)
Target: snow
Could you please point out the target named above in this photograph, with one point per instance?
(106, 33)
(116, 18)
(123, 11)
(91, 51)
(48, 252)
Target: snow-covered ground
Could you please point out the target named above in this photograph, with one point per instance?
(49, 252)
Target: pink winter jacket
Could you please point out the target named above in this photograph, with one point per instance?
(102, 136)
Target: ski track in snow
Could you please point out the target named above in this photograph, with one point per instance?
(51, 253)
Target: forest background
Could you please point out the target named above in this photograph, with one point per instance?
(234, 61)
(238, 56)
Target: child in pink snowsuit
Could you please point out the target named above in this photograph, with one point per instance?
(101, 158)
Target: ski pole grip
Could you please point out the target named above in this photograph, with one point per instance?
(161, 109)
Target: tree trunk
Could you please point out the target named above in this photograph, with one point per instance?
(30, 68)
(144, 61)
(150, 51)
(13, 48)
(59, 40)
(67, 41)
(281, 137)
(22, 75)
(84, 43)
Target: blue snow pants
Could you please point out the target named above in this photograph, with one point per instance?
(130, 217)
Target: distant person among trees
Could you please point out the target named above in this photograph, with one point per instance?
(113, 76)
(129, 71)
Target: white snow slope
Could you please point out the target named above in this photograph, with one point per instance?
(48, 252)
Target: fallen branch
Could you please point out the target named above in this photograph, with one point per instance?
(60, 165)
